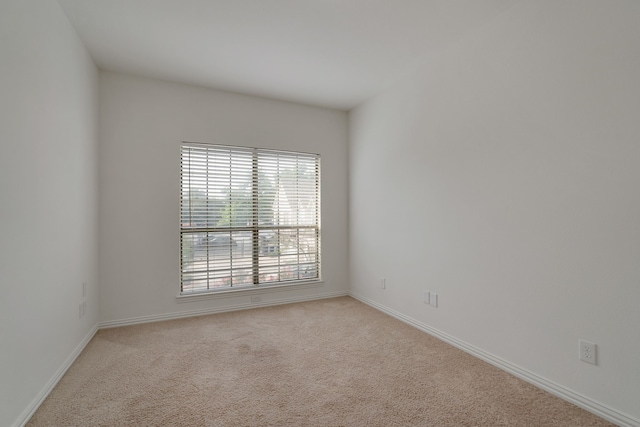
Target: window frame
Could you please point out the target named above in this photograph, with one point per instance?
(254, 226)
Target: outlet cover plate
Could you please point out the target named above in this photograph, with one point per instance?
(588, 352)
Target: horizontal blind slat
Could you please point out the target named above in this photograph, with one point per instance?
(243, 191)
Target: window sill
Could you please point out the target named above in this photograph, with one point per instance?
(246, 291)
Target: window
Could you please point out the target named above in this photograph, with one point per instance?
(249, 217)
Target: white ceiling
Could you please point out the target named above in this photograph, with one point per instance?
(333, 53)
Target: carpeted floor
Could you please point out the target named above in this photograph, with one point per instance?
(334, 362)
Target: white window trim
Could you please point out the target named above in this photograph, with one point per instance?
(248, 291)
(255, 288)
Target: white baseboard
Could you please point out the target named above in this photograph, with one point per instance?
(214, 310)
(577, 399)
(35, 404)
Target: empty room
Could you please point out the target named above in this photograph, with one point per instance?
(319, 213)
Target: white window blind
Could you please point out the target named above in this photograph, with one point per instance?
(248, 217)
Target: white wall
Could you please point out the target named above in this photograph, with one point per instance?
(142, 122)
(48, 207)
(504, 175)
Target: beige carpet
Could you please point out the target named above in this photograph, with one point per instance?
(334, 362)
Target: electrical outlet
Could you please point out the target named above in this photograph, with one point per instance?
(433, 299)
(425, 297)
(383, 283)
(588, 352)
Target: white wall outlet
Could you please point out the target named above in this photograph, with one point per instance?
(383, 283)
(588, 352)
(425, 297)
(433, 299)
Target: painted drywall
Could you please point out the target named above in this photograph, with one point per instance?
(49, 207)
(142, 122)
(503, 175)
